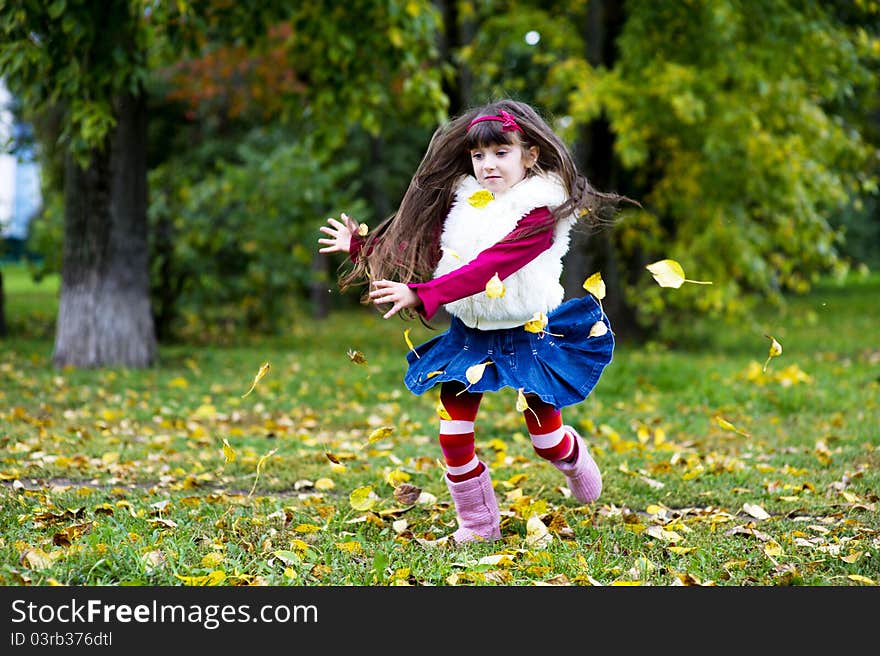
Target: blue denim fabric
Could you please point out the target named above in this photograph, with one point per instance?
(561, 368)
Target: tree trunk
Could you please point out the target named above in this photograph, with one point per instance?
(104, 314)
(595, 156)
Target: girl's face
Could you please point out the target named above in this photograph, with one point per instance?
(498, 167)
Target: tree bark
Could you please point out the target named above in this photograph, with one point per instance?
(104, 313)
(594, 154)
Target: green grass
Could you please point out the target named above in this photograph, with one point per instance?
(118, 476)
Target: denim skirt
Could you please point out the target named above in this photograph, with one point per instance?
(561, 365)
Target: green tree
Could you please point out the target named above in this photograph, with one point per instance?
(738, 125)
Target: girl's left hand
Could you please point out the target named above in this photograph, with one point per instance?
(397, 293)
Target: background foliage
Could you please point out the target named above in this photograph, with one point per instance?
(747, 131)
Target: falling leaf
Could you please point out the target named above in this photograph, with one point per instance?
(668, 273)
(228, 452)
(356, 356)
(442, 413)
(379, 434)
(362, 498)
(452, 253)
(726, 425)
(474, 373)
(481, 198)
(409, 341)
(521, 404)
(260, 462)
(495, 288)
(595, 285)
(775, 350)
(363, 229)
(536, 323)
(598, 329)
(262, 372)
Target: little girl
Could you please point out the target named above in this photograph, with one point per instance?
(494, 198)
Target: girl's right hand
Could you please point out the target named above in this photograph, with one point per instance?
(340, 234)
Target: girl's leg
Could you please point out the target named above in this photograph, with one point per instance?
(564, 448)
(466, 477)
(457, 433)
(549, 438)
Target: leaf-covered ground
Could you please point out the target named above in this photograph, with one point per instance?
(721, 465)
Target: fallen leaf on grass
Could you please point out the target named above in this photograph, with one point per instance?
(756, 511)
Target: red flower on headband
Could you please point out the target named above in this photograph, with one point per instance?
(509, 123)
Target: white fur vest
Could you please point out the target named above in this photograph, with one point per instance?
(470, 229)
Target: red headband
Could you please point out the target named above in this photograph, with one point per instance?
(508, 123)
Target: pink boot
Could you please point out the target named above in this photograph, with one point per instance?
(584, 479)
(476, 507)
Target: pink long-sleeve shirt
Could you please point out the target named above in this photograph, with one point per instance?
(504, 258)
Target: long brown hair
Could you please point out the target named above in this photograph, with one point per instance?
(405, 246)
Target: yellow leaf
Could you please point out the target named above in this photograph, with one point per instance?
(481, 198)
(668, 273)
(363, 229)
(337, 468)
(598, 329)
(214, 578)
(858, 578)
(380, 433)
(495, 288)
(324, 484)
(536, 323)
(595, 285)
(680, 550)
(475, 372)
(228, 452)
(442, 413)
(362, 498)
(409, 341)
(352, 547)
(773, 548)
(259, 466)
(178, 382)
(537, 534)
(452, 253)
(726, 425)
(521, 404)
(775, 350)
(212, 559)
(356, 356)
(262, 372)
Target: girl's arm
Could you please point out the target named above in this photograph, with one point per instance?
(504, 258)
